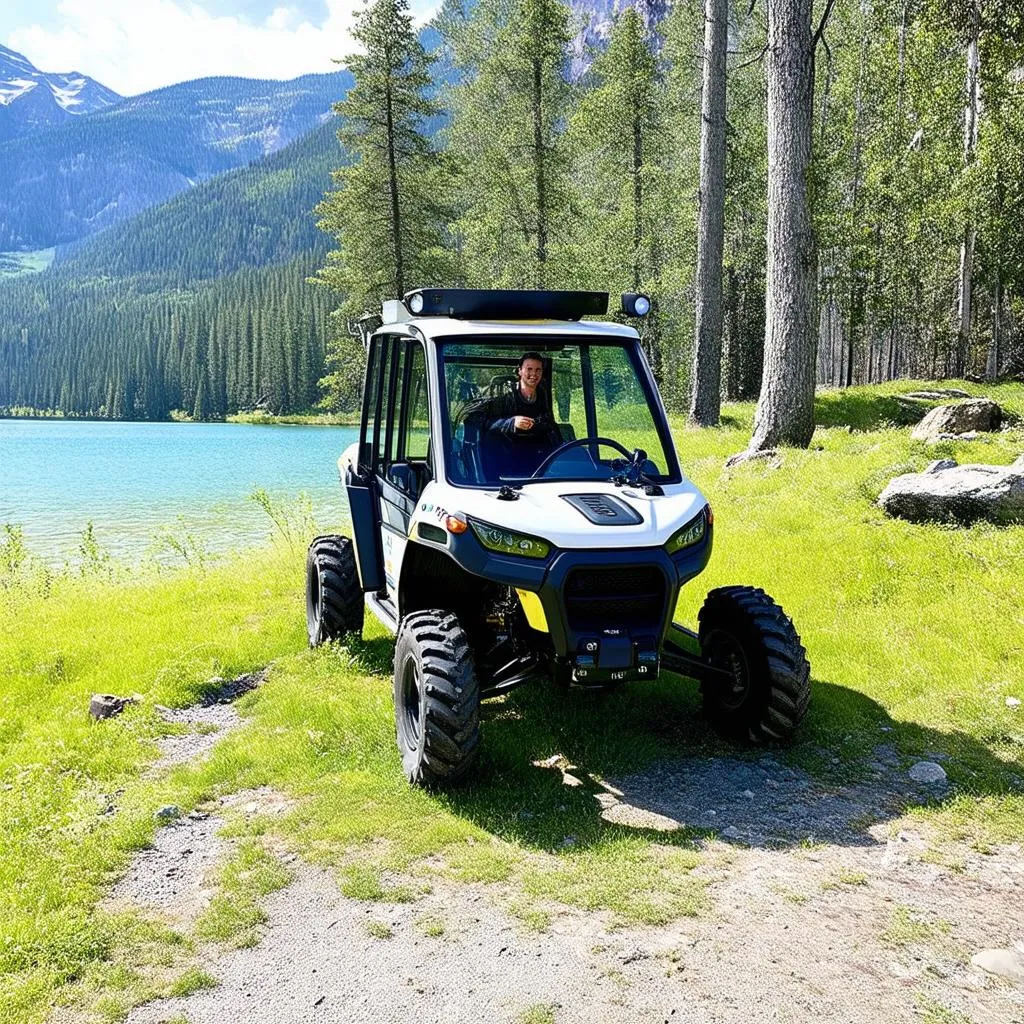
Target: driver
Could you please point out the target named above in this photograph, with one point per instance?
(519, 417)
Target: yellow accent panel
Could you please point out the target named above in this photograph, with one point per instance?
(534, 610)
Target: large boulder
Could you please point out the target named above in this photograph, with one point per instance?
(950, 420)
(946, 492)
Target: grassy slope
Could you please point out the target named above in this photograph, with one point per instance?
(915, 629)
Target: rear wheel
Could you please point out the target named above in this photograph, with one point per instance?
(334, 599)
(743, 631)
(437, 699)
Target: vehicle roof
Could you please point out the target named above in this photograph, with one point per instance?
(436, 327)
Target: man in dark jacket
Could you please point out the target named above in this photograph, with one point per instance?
(520, 421)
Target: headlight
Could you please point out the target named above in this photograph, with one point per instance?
(690, 534)
(508, 542)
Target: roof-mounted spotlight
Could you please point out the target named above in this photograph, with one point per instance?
(634, 304)
(416, 303)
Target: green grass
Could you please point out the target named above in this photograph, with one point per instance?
(915, 635)
(539, 1013)
(906, 928)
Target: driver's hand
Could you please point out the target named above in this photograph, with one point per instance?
(524, 423)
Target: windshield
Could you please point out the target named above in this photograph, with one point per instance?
(515, 407)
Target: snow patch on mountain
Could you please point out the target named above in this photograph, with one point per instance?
(37, 99)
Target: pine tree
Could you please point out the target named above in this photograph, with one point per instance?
(506, 135)
(619, 153)
(388, 212)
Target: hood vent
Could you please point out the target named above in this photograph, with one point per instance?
(604, 509)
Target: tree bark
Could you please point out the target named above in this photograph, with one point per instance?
(396, 210)
(707, 353)
(785, 410)
(971, 104)
(538, 144)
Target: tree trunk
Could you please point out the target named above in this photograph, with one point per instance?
(785, 410)
(538, 144)
(638, 197)
(396, 212)
(971, 104)
(707, 352)
(992, 362)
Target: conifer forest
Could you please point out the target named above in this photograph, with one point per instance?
(826, 193)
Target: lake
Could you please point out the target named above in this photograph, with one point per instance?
(133, 480)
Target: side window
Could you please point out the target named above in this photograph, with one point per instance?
(393, 402)
(383, 406)
(416, 427)
(371, 405)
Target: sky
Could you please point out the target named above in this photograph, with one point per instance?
(132, 46)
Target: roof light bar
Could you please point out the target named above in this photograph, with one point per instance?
(505, 304)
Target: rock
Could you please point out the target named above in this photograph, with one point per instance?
(1004, 963)
(973, 414)
(732, 832)
(106, 705)
(749, 456)
(1012, 702)
(748, 793)
(927, 773)
(935, 395)
(168, 812)
(962, 494)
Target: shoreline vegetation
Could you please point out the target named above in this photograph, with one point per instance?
(913, 633)
(251, 417)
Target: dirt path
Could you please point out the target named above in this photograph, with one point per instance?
(815, 914)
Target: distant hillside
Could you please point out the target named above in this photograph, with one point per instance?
(200, 304)
(252, 216)
(31, 100)
(73, 180)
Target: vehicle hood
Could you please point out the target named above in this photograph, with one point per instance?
(542, 511)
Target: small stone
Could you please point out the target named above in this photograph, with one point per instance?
(927, 773)
(106, 705)
(569, 841)
(732, 832)
(1012, 702)
(168, 812)
(748, 794)
(1004, 963)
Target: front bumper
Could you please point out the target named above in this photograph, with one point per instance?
(607, 611)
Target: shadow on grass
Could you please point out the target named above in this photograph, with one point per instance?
(641, 762)
(862, 410)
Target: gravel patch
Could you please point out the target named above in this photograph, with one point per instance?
(760, 802)
(208, 721)
(174, 878)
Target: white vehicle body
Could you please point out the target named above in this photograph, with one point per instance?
(540, 509)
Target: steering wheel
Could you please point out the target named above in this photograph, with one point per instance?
(578, 443)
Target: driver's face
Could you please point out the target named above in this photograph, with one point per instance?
(531, 372)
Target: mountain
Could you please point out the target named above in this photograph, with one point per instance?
(72, 180)
(31, 99)
(593, 20)
(201, 303)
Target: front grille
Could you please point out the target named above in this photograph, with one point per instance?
(606, 597)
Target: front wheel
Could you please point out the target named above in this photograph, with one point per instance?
(437, 699)
(334, 599)
(742, 630)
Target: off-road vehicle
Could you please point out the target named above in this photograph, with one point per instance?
(498, 555)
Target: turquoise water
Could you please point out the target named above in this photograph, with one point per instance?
(134, 480)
